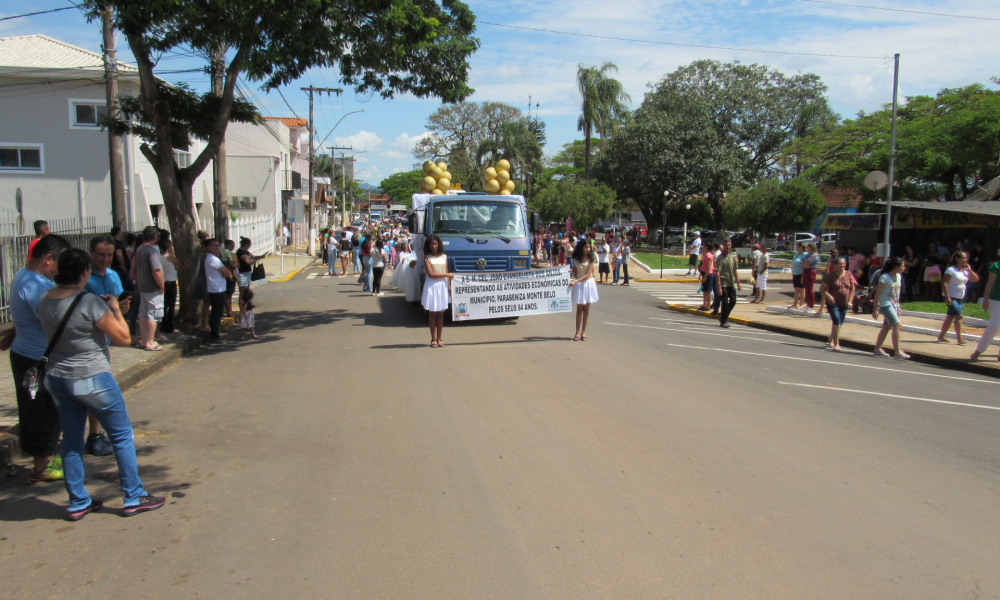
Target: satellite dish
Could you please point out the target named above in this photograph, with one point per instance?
(876, 180)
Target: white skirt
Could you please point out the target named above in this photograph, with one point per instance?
(584, 292)
(436, 296)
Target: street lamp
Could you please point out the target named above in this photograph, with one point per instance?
(663, 230)
(684, 242)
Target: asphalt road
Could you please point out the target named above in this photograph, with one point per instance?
(340, 457)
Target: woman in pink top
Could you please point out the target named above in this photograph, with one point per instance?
(707, 269)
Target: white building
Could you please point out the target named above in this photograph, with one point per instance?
(51, 146)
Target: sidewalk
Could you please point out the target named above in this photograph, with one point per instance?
(919, 338)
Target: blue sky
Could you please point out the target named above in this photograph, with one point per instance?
(514, 64)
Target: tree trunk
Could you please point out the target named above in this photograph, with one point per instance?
(586, 151)
(178, 196)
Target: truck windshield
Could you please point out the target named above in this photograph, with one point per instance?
(503, 219)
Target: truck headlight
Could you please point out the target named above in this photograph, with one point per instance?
(520, 263)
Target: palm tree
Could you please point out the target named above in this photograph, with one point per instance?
(604, 104)
(517, 143)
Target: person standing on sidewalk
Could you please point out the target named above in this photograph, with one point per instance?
(707, 270)
(953, 284)
(41, 230)
(799, 299)
(837, 290)
(616, 256)
(216, 275)
(991, 304)
(604, 269)
(626, 257)
(38, 420)
(890, 282)
(78, 374)
(754, 257)
(809, 265)
(170, 265)
(763, 262)
(149, 281)
(727, 282)
(693, 253)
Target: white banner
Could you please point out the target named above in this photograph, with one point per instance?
(510, 294)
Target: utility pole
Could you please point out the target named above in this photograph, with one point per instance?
(343, 182)
(312, 162)
(219, 162)
(892, 157)
(119, 215)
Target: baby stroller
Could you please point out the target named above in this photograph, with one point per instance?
(864, 298)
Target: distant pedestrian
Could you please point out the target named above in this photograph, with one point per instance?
(707, 270)
(626, 257)
(809, 266)
(227, 258)
(911, 273)
(437, 287)
(247, 320)
(728, 282)
(953, 285)
(991, 304)
(583, 289)
(603, 252)
(378, 267)
(837, 291)
(693, 253)
(215, 278)
(79, 376)
(833, 258)
(170, 264)
(37, 417)
(890, 282)
(332, 250)
(41, 230)
(761, 266)
(344, 251)
(616, 257)
(799, 289)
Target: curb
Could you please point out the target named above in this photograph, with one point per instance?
(929, 359)
(293, 273)
(666, 280)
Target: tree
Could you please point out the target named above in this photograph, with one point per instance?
(585, 202)
(944, 144)
(515, 142)
(774, 206)
(603, 104)
(707, 128)
(384, 46)
(458, 130)
(401, 186)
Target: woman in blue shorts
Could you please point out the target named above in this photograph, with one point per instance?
(890, 282)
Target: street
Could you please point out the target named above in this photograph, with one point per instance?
(341, 457)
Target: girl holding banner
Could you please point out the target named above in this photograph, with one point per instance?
(584, 290)
(437, 286)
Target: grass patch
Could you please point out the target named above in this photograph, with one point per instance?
(669, 262)
(969, 309)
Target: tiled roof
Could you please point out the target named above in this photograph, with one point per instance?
(841, 197)
(290, 121)
(30, 53)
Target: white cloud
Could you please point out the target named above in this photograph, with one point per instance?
(392, 154)
(406, 142)
(362, 141)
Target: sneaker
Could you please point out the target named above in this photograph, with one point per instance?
(724, 325)
(381, 293)
(99, 445)
(76, 515)
(901, 356)
(880, 354)
(51, 473)
(146, 503)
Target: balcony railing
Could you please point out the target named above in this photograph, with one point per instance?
(292, 180)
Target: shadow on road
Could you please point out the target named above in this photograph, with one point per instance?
(526, 340)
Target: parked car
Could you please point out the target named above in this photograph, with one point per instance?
(829, 242)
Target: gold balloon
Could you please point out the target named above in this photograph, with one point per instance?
(427, 184)
(442, 165)
(492, 186)
(444, 184)
(427, 166)
(446, 175)
(503, 177)
(436, 172)
(509, 186)
(490, 173)
(503, 165)
(436, 192)
(504, 193)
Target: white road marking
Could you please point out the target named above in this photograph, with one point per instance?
(737, 337)
(751, 331)
(841, 364)
(312, 276)
(836, 389)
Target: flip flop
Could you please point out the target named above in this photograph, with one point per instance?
(576, 338)
(154, 349)
(583, 338)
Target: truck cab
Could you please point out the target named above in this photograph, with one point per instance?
(481, 233)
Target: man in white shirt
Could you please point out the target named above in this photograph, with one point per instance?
(604, 269)
(763, 262)
(216, 275)
(693, 253)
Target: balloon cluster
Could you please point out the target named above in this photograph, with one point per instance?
(498, 179)
(438, 180)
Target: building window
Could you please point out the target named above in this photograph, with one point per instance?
(28, 158)
(182, 158)
(86, 114)
(243, 202)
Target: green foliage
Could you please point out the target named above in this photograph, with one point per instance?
(774, 206)
(699, 215)
(515, 142)
(401, 186)
(583, 201)
(942, 144)
(709, 127)
(604, 104)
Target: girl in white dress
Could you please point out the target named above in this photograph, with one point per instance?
(437, 287)
(584, 290)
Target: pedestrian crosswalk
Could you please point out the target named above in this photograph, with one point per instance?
(685, 294)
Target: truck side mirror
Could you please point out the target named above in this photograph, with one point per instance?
(536, 222)
(412, 222)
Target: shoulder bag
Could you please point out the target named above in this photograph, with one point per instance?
(258, 273)
(33, 377)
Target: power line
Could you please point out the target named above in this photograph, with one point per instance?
(903, 10)
(41, 12)
(287, 104)
(606, 37)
